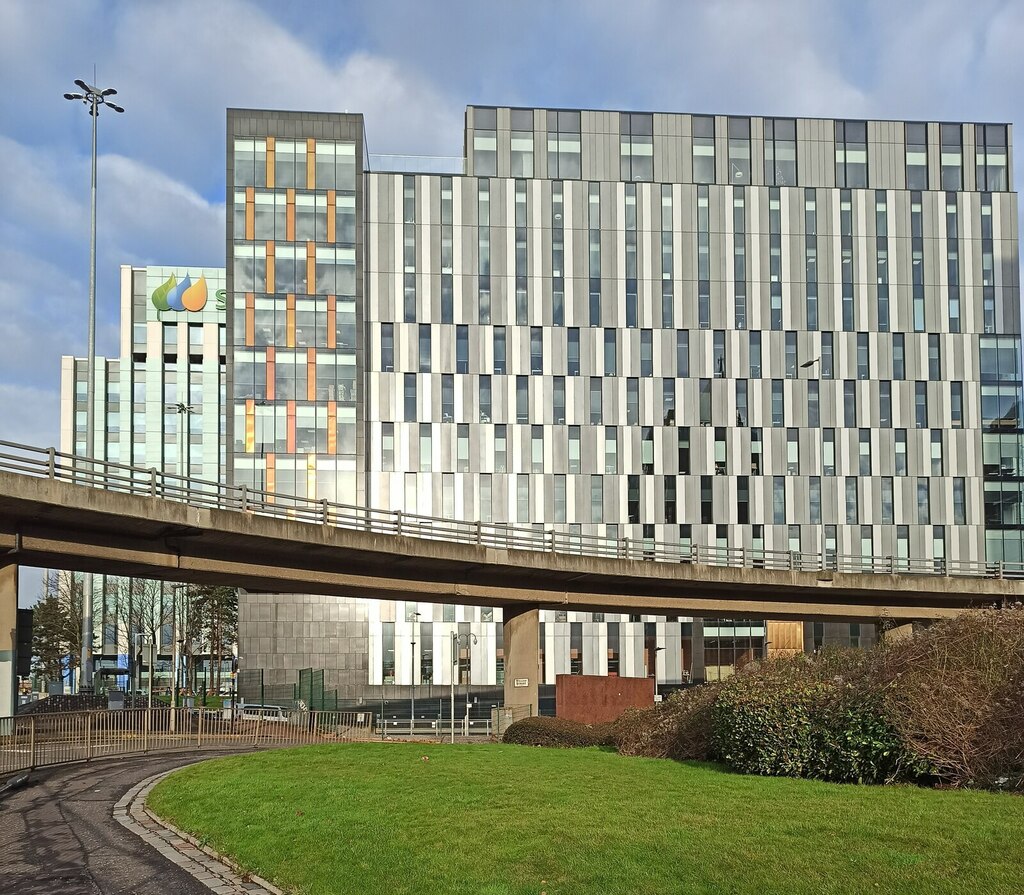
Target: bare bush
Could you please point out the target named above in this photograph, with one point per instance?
(955, 692)
(678, 728)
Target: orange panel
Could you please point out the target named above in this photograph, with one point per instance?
(250, 426)
(270, 374)
(310, 374)
(289, 320)
(330, 215)
(290, 215)
(250, 213)
(332, 317)
(271, 473)
(310, 268)
(271, 153)
(332, 427)
(291, 427)
(250, 319)
(270, 265)
(310, 164)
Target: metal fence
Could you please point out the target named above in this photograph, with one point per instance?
(117, 477)
(41, 740)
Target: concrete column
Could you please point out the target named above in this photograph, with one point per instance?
(900, 632)
(697, 630)
(8, 626)
(521, 633)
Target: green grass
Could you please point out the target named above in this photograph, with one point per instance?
(498, 820)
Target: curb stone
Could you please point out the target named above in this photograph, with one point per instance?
(217, 872)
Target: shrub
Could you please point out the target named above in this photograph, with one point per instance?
(678, 728)
(810, 717)
(559, 732)
(955, 692)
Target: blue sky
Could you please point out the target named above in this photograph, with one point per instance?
(410, 68)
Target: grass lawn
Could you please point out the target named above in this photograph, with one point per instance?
(498, 820)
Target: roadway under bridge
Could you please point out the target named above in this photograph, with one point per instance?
(154, 528)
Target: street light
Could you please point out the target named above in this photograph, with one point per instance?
(95, 99)
(184, 412)
(657, 650)
(412, 677)
(469, 638)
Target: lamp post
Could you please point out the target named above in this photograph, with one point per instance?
(469, 638)
(455, 667)
(184, 412)
(95, 99)
(806, 365)
(657, 650)
(412, 677)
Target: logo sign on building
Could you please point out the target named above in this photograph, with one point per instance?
(521, 682)
(197, 293)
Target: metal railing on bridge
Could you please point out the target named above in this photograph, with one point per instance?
(118, 477)
(40, 740)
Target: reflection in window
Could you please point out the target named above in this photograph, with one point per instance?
(563, 145)
(780, 151)
(951, 157)
(851, 154)
(521, 157)
(703, 149)
(636, 146)
(739, 150)
(485, 142)
(990, 140)
(917, 156)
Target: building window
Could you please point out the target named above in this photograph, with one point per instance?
(563, 145)
(739, 150)
(900, 461)
(852, 509)
(521, 156)
(921, 405)
(779, 499)
(780, 152)
(851, 154)
(636, 146)
(917, 156)
(703, 149)
(951, 157)
(991, 144)
(484, 252)
(485, 142)
(462, 348)
(447, 398)
(573, 351)
(959, 501)
(683, 353)
(498, 338)
(410, 397)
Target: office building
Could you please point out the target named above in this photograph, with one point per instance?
(773, 334)
(158, 405)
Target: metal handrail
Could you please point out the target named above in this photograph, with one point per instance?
(50, 463)
(44, 739)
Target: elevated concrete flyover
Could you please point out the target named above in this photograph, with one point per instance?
(70, 513)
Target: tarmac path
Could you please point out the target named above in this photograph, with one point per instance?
(58, 836)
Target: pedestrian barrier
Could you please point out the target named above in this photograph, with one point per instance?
(42, 740)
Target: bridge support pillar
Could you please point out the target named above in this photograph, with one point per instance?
(900, 632)
(521, 633)
(8, 625)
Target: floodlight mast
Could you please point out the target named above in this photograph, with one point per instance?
(95, 99)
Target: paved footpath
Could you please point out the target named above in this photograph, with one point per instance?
(83, 830)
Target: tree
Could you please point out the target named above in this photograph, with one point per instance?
(218, 609)
(57, 626)
(143, 608)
